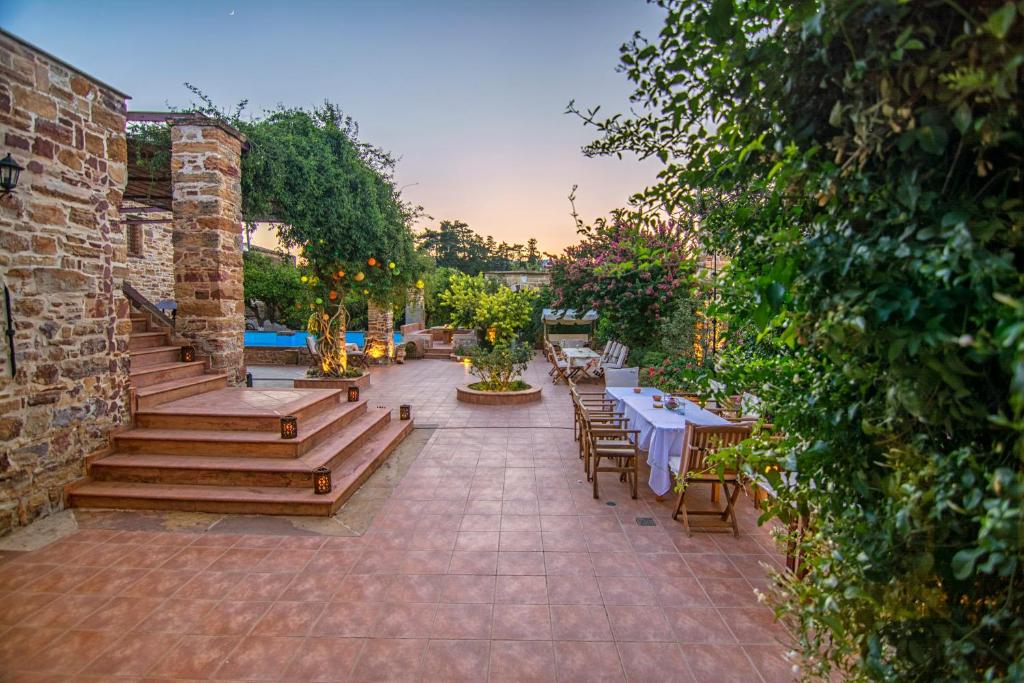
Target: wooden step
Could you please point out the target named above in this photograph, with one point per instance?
(140, 324)
(155, 355)
(149, 397)
(165, 372)
(241, 471)
(146, 340)
(239, 409)
(256, 444)
(347, 479)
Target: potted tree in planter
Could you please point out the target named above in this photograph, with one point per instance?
(500, 369)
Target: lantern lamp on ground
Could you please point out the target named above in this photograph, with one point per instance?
(10, 171)
(289, 427)
(321, 480)
(188, 354)
(404, 411)
(353, 394)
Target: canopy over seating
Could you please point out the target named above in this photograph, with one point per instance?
(568, 316)
(567, 324)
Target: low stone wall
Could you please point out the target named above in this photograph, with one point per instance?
(498, 398)
(363, 381)
(277, 355)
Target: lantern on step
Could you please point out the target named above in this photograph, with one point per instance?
(188, 354)
(353, 394)
(404, 412)
(321, 480)
(289, 427)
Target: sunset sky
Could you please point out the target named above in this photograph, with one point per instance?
(469, 94)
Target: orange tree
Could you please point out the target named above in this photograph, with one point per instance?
(335, 200)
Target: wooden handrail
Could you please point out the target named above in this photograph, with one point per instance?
(136, 297)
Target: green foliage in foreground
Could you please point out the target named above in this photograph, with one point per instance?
(499, 366)
(862, 164)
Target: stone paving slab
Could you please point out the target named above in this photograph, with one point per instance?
(477, 553)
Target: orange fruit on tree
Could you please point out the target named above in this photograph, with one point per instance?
(333, 295)
(371, 261)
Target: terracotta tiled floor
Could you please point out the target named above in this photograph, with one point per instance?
(489, 561)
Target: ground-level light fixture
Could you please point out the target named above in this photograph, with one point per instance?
(353, 394)
(321, 480)
(10, 171)
(289, 427)
(188, 354)
(404, 411)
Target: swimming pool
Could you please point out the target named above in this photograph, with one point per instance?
(294, 339)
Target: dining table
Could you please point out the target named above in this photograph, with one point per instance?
(578, 358)
(662, 432)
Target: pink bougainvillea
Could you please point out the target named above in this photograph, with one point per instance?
(626, 273)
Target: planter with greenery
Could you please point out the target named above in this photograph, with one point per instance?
(499, 369)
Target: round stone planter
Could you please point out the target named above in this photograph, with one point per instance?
(362, 382)
(498, 398)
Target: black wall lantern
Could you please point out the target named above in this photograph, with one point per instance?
(404, 412)
(321, 480)
(10, 171)
(188, 354)
(353, 394)
(289, 427)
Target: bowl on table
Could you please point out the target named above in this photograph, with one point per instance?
(637, 390)
(659, 405)
(656, 397)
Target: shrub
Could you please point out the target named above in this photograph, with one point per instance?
(498, 367)
(629, 273)
(861, 162)
(498, 314)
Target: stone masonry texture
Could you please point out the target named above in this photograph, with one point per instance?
(63, 257)
(152, 272)
(380, 328)
(207, 237)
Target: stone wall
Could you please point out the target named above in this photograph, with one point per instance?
(277, 355)
(207, 203)
(152, 270)
(62, 254)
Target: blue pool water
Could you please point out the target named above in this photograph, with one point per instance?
(299, 338)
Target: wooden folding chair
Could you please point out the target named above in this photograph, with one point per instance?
(591, 411)
(558, 367)
(693, 468)
(618, 447)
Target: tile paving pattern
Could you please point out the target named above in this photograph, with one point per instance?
(489, 562)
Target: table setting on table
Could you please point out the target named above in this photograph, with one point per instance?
(661, 420)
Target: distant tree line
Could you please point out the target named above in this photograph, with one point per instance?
(455, 245)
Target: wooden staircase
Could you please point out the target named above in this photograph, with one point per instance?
(199, 445)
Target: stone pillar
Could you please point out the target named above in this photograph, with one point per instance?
(415, 308)
(207, 202)
(380, 332)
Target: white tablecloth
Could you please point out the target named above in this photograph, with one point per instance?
(579, 357)
(661, 430)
